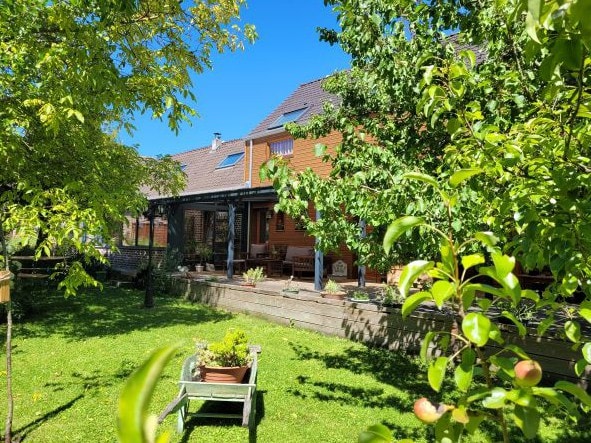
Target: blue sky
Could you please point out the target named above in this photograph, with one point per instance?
(244, 87)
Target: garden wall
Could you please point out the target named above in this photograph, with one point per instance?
(367, 323)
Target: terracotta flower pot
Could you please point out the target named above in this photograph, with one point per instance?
(221, 374)
(334, 295)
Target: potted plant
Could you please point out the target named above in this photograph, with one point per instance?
(332, 290)
(225, 361)
(252, 276)
(205, 254)
(391, 296)
(360, 297)
(291, 287)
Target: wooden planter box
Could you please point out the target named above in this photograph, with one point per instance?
(370, 323)
(4, 286)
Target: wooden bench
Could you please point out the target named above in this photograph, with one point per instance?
(190, 389)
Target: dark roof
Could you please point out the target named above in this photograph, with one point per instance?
(203, 174)
(460, 45)
(308, 95)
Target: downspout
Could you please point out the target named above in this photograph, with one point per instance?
(250, 164)
(249, 203)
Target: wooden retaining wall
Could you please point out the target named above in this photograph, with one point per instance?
(369, 323)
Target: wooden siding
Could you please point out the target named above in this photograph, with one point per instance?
(294, 237)
(302, 157)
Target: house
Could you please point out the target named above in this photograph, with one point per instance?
(224, 190)
(269, 138)
(196, 222)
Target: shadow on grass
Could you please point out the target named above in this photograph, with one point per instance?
(397, 369)
(113, 311)
(225, 408)
(22, 433)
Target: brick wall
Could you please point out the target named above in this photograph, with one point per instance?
(302, 158)
(129, 257)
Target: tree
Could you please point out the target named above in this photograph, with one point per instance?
(73, 74)
(501, 106)
(383, 136)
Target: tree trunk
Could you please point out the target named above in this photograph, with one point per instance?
(10, 405)
(10, 400)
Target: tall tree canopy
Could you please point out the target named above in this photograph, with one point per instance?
(73, 74)
(500, 87)
(493, 100)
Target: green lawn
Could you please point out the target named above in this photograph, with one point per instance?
(71, 360)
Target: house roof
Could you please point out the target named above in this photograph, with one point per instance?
(460, 45)
(308, 96)
(204, 174)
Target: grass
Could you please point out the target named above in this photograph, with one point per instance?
(71, 359)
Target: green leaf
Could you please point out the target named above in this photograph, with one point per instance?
(414, 300)
(436, 372)
(503, 264)
(485, 288)
(469, 261)
(521, 330)
(399, 227)
(575, 390)
(522, 397)
(78, 116)
(476, 328)
(495, 334)
(465, 370)
(580, 366)
(585, 310)
(504, 363)
(453, 125)
(376, 434)
(410, 273)
(573, 330)
(557, 398)
(517, 351)
(136, 395)
(319, 149)
(496, 399)
(474, 422)
(429, 336)
(462, 175)
(535, 7)
(442, 291)
(568, 52)
(544, 325)
(587, 352)
(528, 420)
(447, 257)
(488, 239)
(425, 178)
(530, 26)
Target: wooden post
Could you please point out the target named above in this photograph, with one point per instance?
(231, 223)
(361, 269)
(149, 296)
(318, 261)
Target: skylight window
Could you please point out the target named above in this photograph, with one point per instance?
(288, 117)
(230, 160)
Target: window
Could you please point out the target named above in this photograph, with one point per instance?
(230, 160)
(136, 232)
(283, 147)
(300, 225)
(288, 117)
(280, 221)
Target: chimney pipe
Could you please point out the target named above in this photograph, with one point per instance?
(217, 140)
